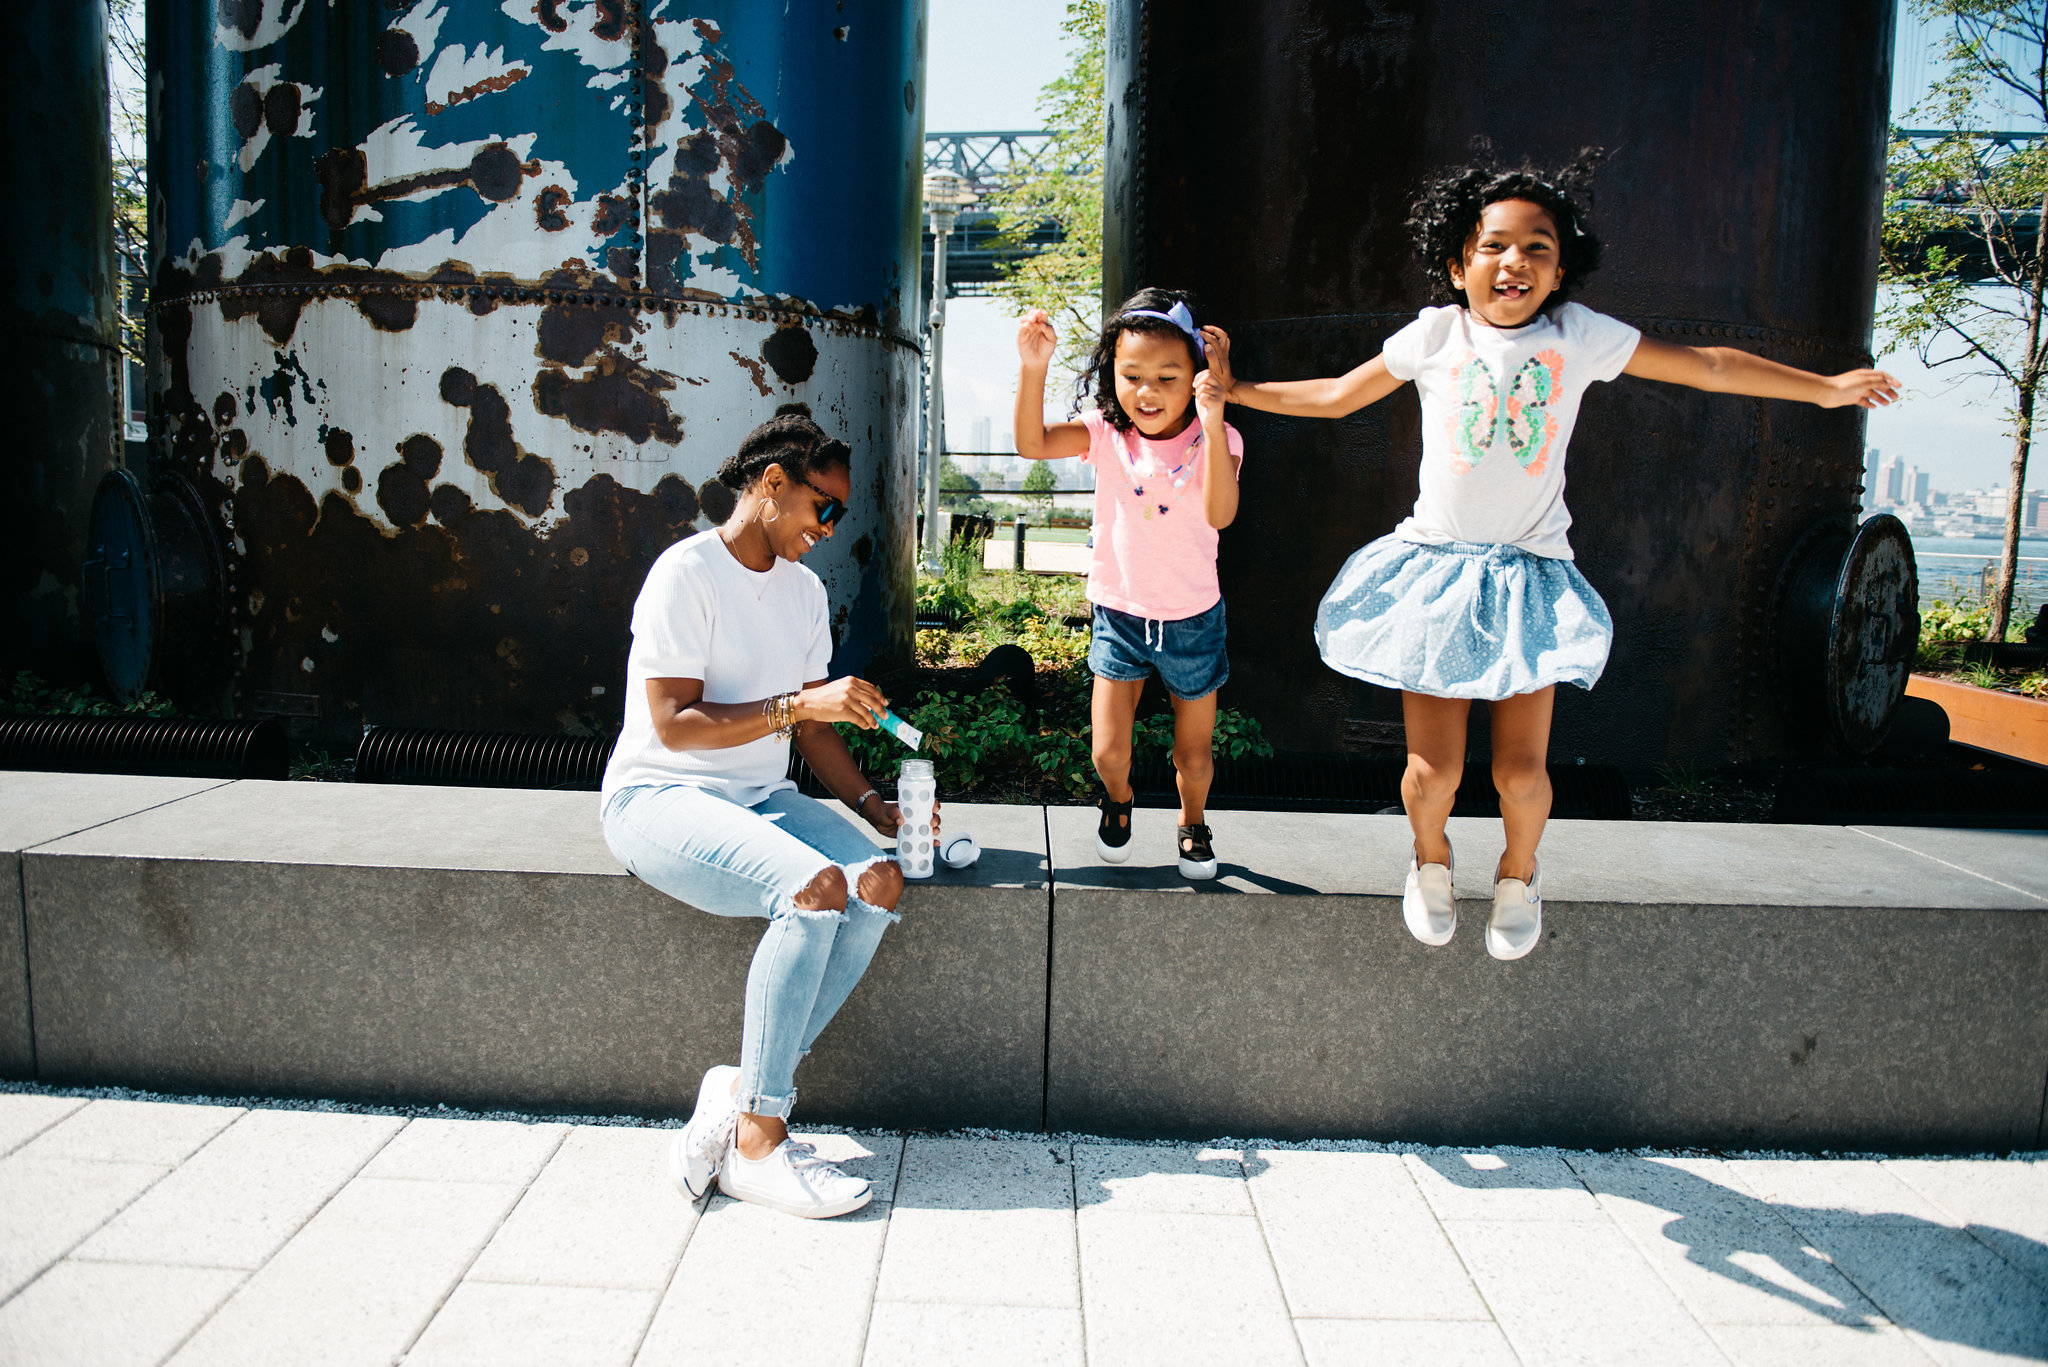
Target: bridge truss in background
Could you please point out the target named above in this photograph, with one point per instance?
(1966, 247)
(987, 161)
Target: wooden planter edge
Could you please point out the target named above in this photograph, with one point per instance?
(1988, 718)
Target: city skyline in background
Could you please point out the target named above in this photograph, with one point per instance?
(1892, 484)
(1953, 429)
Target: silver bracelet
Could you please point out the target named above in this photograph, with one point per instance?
(861, 801)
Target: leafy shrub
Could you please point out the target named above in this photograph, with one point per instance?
(1052, 645)
(29, 696)
(1945, 627)
(1236, 736)
(950, 592)
(1239, 734)
(1962, 620)
(971, 739)
(945, 599)
(981, 743)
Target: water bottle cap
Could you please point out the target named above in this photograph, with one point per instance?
(915, 768)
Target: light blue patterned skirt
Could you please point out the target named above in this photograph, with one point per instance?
(1462, 620)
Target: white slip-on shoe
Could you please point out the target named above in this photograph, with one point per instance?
(1427, 904)
(694, 1155)
(1517, 921)
(793, 1179)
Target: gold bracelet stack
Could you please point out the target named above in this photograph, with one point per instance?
(781, 710)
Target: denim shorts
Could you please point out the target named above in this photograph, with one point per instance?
(1187, 655)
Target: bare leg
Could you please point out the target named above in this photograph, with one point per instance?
(1436, 760)
(1194, 760)
(1521, 745)
(1112, 710)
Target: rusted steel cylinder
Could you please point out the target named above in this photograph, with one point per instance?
(62, 386)
(461, 306)
(1265, 155)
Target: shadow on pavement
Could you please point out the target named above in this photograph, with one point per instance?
(1974, 1285)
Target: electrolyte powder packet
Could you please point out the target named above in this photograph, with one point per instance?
(900, 729)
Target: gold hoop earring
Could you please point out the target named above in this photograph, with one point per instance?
(766, 504)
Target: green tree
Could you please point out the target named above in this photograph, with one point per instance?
(953, 478)
(1039, 479)
(1963, 247)
(1065, 187)
(127, 80)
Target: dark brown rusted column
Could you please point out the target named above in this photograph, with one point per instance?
(63, 384)
(1265, 153)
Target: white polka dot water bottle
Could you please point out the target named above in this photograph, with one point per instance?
(917, 793)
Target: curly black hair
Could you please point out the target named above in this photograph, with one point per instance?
(1448, 210)
(789, 439)
(1099, 379)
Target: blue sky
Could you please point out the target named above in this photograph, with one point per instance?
(987, 62)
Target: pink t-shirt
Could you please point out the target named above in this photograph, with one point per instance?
(1155, 552)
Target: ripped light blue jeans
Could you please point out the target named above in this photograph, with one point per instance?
(730, 860)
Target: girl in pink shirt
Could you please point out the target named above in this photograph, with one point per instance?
(1159, 502)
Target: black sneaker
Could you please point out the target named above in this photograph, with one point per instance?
(1197, 852)
(1113, 832)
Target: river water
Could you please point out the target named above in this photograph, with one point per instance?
(1952, 567)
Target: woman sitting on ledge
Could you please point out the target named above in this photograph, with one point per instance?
(730, 644)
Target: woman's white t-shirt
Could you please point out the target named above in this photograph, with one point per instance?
(1498, 407)
(747, 634)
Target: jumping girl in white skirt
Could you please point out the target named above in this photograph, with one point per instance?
(1474, 595)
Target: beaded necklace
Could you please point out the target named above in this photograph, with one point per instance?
(1176, 478)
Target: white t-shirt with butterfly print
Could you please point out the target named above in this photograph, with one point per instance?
(1498, 406)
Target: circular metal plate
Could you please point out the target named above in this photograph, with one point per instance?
(120, 582)
(1872, 633)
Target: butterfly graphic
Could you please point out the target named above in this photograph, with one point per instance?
(1487, 410)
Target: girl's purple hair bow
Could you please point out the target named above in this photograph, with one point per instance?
(1180, 317)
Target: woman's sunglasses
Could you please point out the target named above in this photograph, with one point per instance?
(833, 509)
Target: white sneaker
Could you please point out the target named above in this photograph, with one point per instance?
(794, 1180)
(699, 1146)
(1517, 921)
(1427, 904)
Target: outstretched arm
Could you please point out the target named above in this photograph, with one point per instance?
(1037, 440)
(1724, 370)
(1332, 398)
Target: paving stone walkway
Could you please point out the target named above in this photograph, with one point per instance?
(146, 1232)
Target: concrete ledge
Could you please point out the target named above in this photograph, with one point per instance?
(36, 808)
(1698, 985)
(482, 947)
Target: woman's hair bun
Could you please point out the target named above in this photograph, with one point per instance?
(789, 439)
